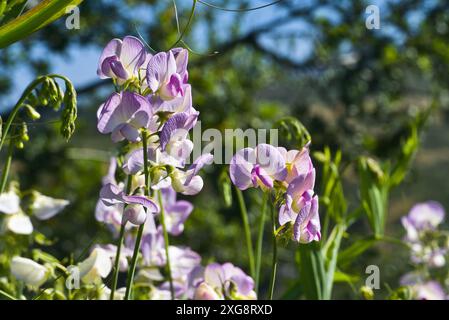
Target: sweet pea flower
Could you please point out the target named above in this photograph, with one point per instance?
(430, 290)
(44, 207)
(297, 162)
(121, 60)
(176, 211)
(257, 167)
(134, 205)
(28, 271)
(18, 223)
(111, 251)
(182, 260)
(105, 293)
(189, 182)
(176, 105)
(123, 115)
(422, 217)
(167, 74)
(174, 135)
(9, 202)
(152, 248)
(301, 209)
(226, 281)
(98, 265)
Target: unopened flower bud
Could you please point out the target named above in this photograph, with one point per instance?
(32, 113)
(135, 214)
(367, 293)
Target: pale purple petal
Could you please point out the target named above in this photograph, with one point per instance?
(111, 49)
(194, 187)
(176, 215)
(132, 53)
(111, 195)
(270, 159)
(156, 70)
(197, 165)
(214, 275)
(142, 200)
(240, 168)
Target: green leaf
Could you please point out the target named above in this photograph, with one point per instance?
(340, 276)
(348, 255)
(311, 270)
(34, 19)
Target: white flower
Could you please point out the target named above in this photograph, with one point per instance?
(9, 202)
(18, 223)
(97, 266)
(28, 271)
(44, 207)
(206, 292)
(105, 293)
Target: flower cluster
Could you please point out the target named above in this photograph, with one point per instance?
(18, 221)
(289, 173)
(428, 250)
(20, 209)
(152, 112)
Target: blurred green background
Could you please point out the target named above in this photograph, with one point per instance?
(355, 89)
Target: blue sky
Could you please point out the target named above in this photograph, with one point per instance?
(81, 63)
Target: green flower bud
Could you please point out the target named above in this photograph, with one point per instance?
(23, 132)
(367, 293)
(32, 113)
(69, 113)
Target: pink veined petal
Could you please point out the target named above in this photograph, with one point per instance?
(132, 54)
(156, 70)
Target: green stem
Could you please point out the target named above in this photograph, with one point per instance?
(7, 166)
(247, 230)
(117, 260)
(166, 243)
(119, 245)
(132, 268)
(259, 243)
(274, 261)
(7, 295)
(133, 265)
